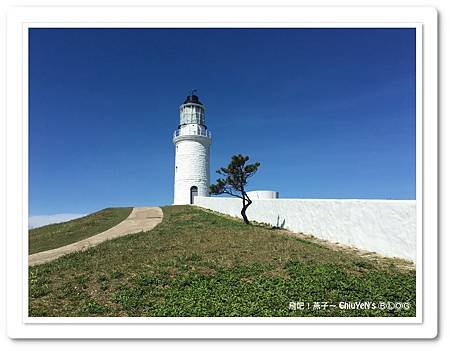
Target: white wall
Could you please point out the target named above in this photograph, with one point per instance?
(387, 227)
(191, 167)
(262, 194)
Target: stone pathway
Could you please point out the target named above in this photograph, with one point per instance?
(140, 219)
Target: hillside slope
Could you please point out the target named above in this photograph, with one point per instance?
(197, 263)
(59, 234)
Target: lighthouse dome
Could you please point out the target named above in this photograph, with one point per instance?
(192, 99)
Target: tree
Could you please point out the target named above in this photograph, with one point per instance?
(234, 181)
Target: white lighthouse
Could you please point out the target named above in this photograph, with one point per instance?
(192, 140)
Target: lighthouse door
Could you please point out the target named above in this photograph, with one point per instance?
(194, 192)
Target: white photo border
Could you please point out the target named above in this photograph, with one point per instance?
(423, 19)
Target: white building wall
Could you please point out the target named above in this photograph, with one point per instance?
(262, 194)
(387, 227)
(191, 168)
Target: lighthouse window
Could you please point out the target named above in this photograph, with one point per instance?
(192, 114)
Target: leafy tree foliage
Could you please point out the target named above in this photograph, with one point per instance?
(235, 179)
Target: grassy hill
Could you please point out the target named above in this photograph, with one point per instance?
(59, 234)
(198, 263)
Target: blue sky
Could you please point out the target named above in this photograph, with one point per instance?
(329, 113)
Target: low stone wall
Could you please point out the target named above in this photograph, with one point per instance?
(387, 227)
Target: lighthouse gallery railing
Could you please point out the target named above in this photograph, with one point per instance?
(205, 133)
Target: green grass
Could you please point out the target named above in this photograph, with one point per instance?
(197, 263)
(60, 234)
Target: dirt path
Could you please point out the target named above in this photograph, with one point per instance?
(140, 219)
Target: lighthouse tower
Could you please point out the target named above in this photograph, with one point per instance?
(192, 140)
